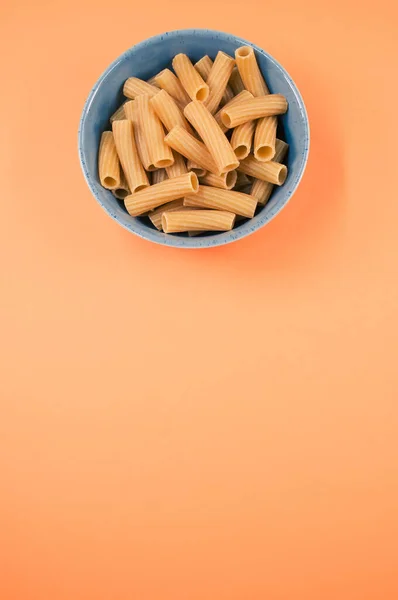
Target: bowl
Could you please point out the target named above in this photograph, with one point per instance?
(145, 60)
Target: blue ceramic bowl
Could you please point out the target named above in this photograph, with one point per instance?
(148, 58)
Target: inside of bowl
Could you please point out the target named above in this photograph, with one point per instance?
(145, 60)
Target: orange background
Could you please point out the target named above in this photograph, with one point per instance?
(209, 425)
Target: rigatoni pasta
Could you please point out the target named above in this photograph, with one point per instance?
(216, 142)
(108, 162)
(132, 113)
(134, 87)
(249, 71)
(156, 219)
(253, 108)
(127, 151)
(218, 80)
(168, 111)
(203, 66)
(262, 190)
(178, 167)
(235, 82)
(241, 97)
(169, 82)
(241, 140)
(152, 81)
(191, 81)
(271, 171)
(215, 120)
(128, 109)
(193, 220)
(264, 138)
(211, 197)
(155, 216)
(225, 181)
(160, 193)
(186, 144)
(118, 114)
(159, 152)
(122, 189)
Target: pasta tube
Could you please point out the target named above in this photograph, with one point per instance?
(169, 82)
(108, 162)
(214, 139)
(235, 82)
(225, 181)
(159, 152)
(194, 220)
(178, 167)
(191, 81)
(125, 144)
(156, 195)
(118, 114)
(132, 113)
(129, 110)
(168, 111)
(218, 80)
(134, 87)
(211, 197)
(265, 138)
(152, 81)
(249, 71)
(254, 108)
(155, 216)
(241, 140)
(186, 144)
(242, 97)
(203, 67)
(158, 176)
(262, 190)
(123, 189)
(271, 171)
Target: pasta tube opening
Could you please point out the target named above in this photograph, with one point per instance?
(282, 175)
(242, 151)
(162, 164)
(226, 120)
(121, 193)
(230, 179)
(202, 93)
(110, 182)
(194, 181)
(244, 51)
(264, 153)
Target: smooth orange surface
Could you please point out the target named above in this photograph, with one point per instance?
(212, 425)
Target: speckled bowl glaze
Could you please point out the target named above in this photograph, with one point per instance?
(148, 58)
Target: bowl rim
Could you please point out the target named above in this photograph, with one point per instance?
(213, 240)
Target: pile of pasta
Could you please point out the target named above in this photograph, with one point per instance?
(196, 150)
